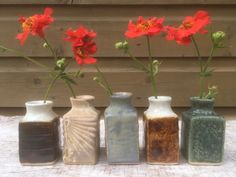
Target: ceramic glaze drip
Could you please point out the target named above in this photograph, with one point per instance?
(38, 134)
(121, 130)
(81, 132)
(38, 111)
(161, 132)
(159, 107)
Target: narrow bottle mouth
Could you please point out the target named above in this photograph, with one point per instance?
(121, 95)
(160, 98)
(202, 99)
(83, 98)
(38, 103)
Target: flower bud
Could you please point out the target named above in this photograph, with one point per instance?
(122, 45)
(218, 37)
(119, 45)
(61, 63)
(96, 79)
(45, 45)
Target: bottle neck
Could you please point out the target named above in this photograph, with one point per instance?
(204, 104)
(121, 99)
(82, 102)
(39, 111)
(160, 107)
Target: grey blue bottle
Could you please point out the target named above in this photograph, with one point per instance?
(203, 133)
(121, 130)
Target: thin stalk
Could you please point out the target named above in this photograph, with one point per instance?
(202, 83)
(209, 59)
(152, 77)
(50, 87)
(26, 57)
(108, 88)
(141, 65)
(51, 49)
(198, 52)
(71, 89)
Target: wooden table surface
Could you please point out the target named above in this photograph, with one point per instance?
(10, 166)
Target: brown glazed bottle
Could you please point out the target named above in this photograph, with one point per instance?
(161, 132)
(38, 134)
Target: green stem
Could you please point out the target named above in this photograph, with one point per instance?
(107, 86)
(50, 87)
(71, 89)
(141, 65)
(202, 78)
(198, 52)
(202, 83)
(51, 49)
(152, 76)
(209, 59)
(24, 56)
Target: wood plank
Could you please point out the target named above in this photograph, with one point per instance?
(17, 88)
(153, 2)
(118, 2)
(110, 27)
(38, 2)
(12, 167)
(19, 75)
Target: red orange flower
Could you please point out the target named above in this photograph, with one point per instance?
(83, 45)
(35, 25)
(150, 27)
(190, 26)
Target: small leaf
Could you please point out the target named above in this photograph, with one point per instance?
(67, 78)
(2, 50)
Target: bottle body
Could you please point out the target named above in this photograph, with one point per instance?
(122, 130)
(39, 134)
(203, 133)
(81, 132)
(161, 132)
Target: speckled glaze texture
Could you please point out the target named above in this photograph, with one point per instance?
(81, 132)
(121, 130)
(203, 133)
(161, 132)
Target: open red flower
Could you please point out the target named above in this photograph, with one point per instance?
(35, 25)
(80, 33)
(83, 45)
(190, 26)
(150, 27)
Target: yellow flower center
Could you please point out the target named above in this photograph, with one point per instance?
(28, 24)
(187, 25)
(145, 26)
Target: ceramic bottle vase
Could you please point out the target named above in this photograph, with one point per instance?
(203, 133)
(161, 132)
(121, 130)
(38, 134)
(81, 132)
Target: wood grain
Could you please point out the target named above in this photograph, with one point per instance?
(118, 2)
(21, 81)
(110, 27)
(10, 165)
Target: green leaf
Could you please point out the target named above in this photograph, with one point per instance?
(68, 79)
(79, 73)
(206, 73)
(2, 50)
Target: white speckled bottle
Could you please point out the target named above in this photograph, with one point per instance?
(121, 130)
